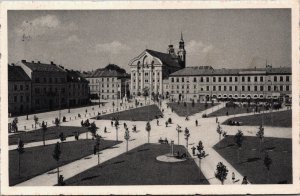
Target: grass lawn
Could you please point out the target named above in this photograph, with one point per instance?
(275, 119)
(232, 111)
(181, 110)
(251, 162)
(136, 114)
(51, 133)
(38, 160)
(140, 167)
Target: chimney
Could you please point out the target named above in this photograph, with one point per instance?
(39, 62)
(52, 63)
(23, 61)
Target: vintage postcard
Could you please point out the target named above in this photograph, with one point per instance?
(167, 97)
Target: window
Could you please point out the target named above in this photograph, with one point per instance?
(207, 88)
(195, 79)
(269, 88)
(177, 79)
(37, 90)
(113, 91)
(255, 88)
(261, 88)
(249, 79)
(281, 79)
(182, 86)
(275, 78)
(243, 79)
(255, 79)
(107, 85)
(55, 80)
(207, 79)
(172, 79)
(195, 86)
(214, 79)
(230, 88)
(214, 88)
(201, 79)
(281, 88)
(27, 98)
(235, 88)
(225, 79)
(27, 87)
(249, 88)
(45, 80)
(182, 79)
(287, 88)
(107, 91)
(21, 98)
(225, 88)
(219, 79)
(15, 99)
(230, 79)
(16, 87)
(235, 79)
(50, 80)
(37, 80)
(220, 88)
(261, 78)
(243, 88)
(287, 78)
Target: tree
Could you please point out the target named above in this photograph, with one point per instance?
(44, 129)
(219, 131)
(221, 172)
(148, 129)
(20, 150)
(97, 148)
(57, 122)
(267, 163)
(93, 129)
(127, 137)
(145, 93)
(187, 135)
(14, 125)
(238, 139)
(178, 129)
(200, 153)
(260, 134)
(117, 127)
(56, 155)
(36, 121)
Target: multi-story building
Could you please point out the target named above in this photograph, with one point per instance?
(48, 85)
(150, 68)
(108, 83)
(19, 91)
(78, 89)
(204, 83)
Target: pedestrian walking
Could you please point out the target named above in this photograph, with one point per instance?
(112, 123)
(217, 120)
(166, 123)
(157, 122)
(233, 177)
(194, 150)
(196, 123)
(105, 131)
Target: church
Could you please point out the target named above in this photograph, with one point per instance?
(150, 68)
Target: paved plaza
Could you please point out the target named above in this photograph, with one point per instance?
(205, 131)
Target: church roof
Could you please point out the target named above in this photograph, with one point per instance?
(16, 73)
(205, 71)
(107, 73)
(166, 59)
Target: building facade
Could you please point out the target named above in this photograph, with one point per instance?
(19, 91)
(150, 68)
(108, 84)
(205, 83)
(78, 89)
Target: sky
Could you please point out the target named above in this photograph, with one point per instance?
(87, 40)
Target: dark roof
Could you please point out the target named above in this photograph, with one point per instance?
(38, 66)
(198, 71)
(167, 59)
(107, 73)
(74, 76)
(16, 73)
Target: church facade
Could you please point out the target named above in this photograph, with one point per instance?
(150, 68)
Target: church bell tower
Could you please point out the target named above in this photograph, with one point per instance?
(181, 52)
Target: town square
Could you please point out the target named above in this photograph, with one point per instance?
(189, 104)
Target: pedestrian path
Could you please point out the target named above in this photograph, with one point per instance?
(206, 132)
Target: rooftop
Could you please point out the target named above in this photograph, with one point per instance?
(167, 59)
(205, 70)
(16, 73)
(107, 73)
(38, 66)
(74, 76)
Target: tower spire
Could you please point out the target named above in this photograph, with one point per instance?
(181, 37)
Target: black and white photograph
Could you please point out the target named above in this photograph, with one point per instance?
(98, 99)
